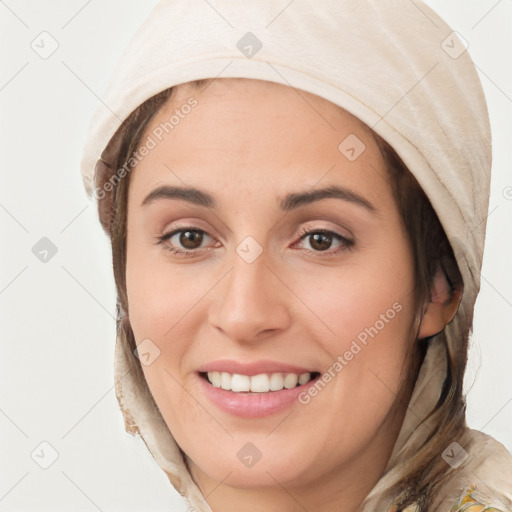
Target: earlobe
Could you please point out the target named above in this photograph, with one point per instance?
(442, 307)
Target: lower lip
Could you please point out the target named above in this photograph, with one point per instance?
(255, 405)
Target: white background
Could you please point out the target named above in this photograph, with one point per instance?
(57, 318)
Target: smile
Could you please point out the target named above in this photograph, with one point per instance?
(261, 383)
(254, 390)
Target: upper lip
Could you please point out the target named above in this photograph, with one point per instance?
(251, 368)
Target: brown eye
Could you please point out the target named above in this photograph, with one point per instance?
(191, 239)
(320, 241)
(184, 241)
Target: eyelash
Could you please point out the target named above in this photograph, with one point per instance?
(347, 244)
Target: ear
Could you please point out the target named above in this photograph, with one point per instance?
(442, 307)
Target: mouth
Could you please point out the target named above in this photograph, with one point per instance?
(254, 389)
(257, 384)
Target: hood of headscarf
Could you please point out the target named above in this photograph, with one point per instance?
(398, 67)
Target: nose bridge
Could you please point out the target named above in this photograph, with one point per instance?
(250, 300)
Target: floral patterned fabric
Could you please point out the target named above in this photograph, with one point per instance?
(471, 501)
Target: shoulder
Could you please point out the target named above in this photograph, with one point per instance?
(482, 477)
(489, 461)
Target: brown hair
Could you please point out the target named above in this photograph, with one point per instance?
(425, 471)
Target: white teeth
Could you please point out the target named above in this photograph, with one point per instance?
(276, 382)
(290, 381)
(304, 377)
(225, 380)
(215, 379)
(240, 383)
(262, 383)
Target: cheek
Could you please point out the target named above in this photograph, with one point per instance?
(157, 295)
(351, 299)
(159, 309)
(366, 314)
(166, 304)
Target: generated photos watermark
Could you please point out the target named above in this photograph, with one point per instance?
(357, 345)
(156, 136)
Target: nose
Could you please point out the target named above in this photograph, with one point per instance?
(251, 302)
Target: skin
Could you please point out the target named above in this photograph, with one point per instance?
(248, 143)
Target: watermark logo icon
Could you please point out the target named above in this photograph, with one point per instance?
(454, 455)
(44, 455)
(44, 250)
(249, 455)
(249, 45)
(249, 249)
(352, 147)
(45, 45)
(454, 45)
(147, 352)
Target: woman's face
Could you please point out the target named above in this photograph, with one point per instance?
(265, 248)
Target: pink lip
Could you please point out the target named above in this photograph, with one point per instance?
(256, 405)
(254, 368)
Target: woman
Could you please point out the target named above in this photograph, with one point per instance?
(296, 203)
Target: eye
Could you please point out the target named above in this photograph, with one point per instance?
(184, 241)
(321, 240)
(187, 240)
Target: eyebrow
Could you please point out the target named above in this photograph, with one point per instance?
(289, 202)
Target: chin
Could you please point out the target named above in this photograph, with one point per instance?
(256, 464)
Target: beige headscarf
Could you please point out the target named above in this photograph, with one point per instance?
(393, 64)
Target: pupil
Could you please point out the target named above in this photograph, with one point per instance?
(323, 240)
(189, 238)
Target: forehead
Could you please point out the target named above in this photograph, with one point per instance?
(242, 132)
(256, 104)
